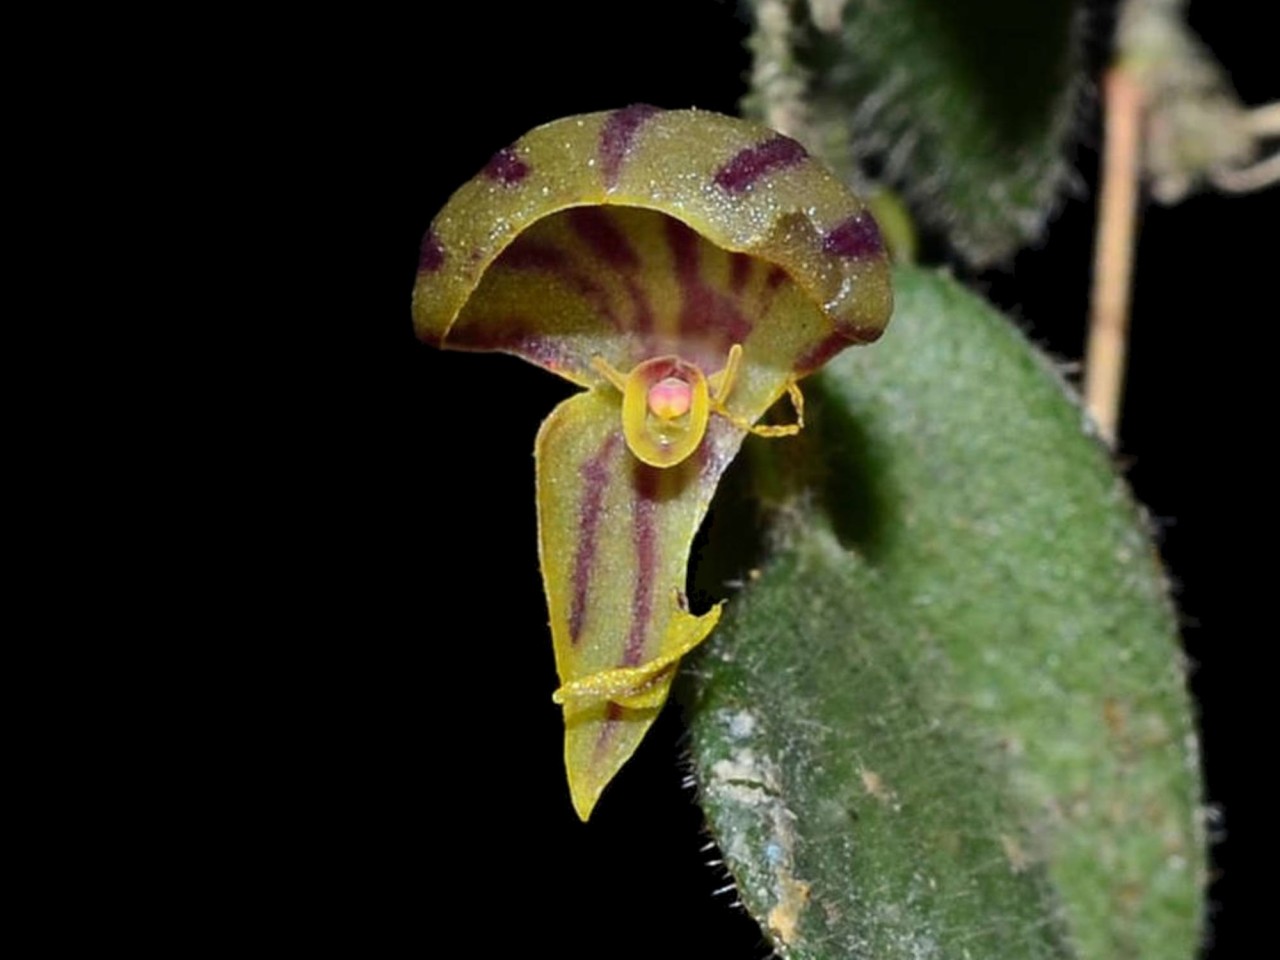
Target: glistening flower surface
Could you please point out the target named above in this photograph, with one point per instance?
(686, 268)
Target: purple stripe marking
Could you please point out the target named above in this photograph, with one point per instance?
(617, 136)
(845, 336)
(506, 167)
(855, 238)
(822, 351)
(684, 251)
(706, 458)
(595, 478)
(739, 272)
(528, 255)
(547, 258)
(642, 321)
(643, 517)
(703, 310)
(749, 165)
(513, 333)
(612, 714)
(431, 257)
(604, 236)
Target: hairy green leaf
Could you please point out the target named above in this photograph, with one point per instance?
(949, 718)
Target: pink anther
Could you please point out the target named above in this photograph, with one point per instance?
(670, 398)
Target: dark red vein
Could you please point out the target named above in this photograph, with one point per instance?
(703, 310)
(822, 351)
(612, 714)
(607, 239)
(595, 478)
(644, 511)
(527, 254)
(739, 272)
(599, 231)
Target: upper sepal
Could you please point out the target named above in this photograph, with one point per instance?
(539, 256)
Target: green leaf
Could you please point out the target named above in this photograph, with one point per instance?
(949, 719)
(965, 107)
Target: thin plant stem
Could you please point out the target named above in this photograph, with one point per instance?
(1107, 350)
(1264, 121)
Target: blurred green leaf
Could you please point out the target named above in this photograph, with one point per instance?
(966, 108)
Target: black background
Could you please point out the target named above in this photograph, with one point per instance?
(421, 797)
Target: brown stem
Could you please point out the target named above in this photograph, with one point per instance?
(1113, 252)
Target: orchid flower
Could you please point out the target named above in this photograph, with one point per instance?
(685, 269)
